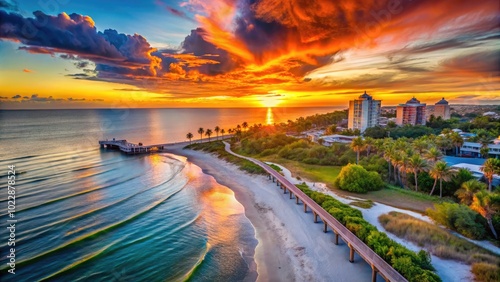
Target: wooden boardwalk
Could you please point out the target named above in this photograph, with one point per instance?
(355, 244)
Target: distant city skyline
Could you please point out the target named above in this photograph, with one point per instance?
(219, 53)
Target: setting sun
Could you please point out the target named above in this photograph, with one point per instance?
(270, 101)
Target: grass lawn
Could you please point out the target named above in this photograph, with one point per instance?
(315, 173)
(402, 198)
(392, 195)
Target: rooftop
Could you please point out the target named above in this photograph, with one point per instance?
(413, 101)
(442, 102)
(365, 96)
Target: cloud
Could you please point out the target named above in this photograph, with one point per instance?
(76, 35)
(27, 70)
(75, 99)
(244, 48)
(485, 62)
(16, 96)
(9, 5)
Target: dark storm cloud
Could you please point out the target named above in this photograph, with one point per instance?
(76, 35)
(196, 45)
(486, 62)
(9, 5)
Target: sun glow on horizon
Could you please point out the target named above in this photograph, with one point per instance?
(271, 100)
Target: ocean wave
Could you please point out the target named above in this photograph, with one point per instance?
(93, 235)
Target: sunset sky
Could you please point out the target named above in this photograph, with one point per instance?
(225, 53)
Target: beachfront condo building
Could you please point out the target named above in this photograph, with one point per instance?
(364, 112)
(413, 112)
(442, 109)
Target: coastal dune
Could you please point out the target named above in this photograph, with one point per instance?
(290, 246)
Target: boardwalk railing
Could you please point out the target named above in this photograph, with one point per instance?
(355, 244)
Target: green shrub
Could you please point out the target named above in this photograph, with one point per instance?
(355, 178)
(459, 218)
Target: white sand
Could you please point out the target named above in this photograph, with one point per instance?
(448, 270)
(291, 247)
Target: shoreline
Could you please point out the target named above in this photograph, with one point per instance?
(290, 247)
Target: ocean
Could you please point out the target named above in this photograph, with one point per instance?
(85, 213)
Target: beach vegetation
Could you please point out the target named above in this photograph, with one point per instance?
(217, 148)
(189, 136)
(277, 168)
(459, 218)
(355, 178)
(485, 272)
(364, 204)
(201, 130)
(443, 244)
(412, 265)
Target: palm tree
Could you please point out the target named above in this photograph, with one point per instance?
(420, 145)
(217, 129)
(487, 204)
(446, 131)
(238, 127)
(244, 125)
(457, 141)
(484, 151)
(468, 189)
(491, 166)
(443, 143)
(416, 164)
(369, 143)
(222, 131)
(208, 133)
(357, 145)
(440, 171)
(189, 136)
(201, 131)
(433, 155)
(230, 131)
(388, 153)
(395, 160)
(403, 167)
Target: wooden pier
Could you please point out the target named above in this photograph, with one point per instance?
(131, 148)
(378, 265)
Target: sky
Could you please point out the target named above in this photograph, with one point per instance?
(246, 53)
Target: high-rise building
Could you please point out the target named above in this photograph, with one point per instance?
(364, 112)
(413, 112)
(442, 109)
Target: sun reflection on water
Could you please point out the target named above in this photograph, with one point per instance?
(269, 116)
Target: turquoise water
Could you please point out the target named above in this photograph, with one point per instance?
(85, 213)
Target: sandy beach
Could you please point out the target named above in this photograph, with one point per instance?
(291, 247)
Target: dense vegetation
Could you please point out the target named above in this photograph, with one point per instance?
(459, 218)
(413, 266)
(264, 144)
(217, 148)
(409, 157)
(354, 178)
(442, 243)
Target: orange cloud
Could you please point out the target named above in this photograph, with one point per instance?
(27, 70)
